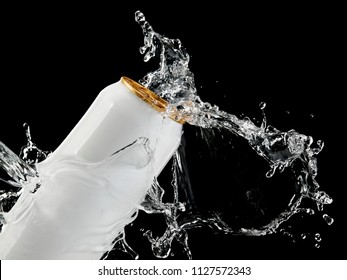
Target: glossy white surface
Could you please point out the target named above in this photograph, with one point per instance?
(89, 193)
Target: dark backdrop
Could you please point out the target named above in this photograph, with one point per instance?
(55, 60)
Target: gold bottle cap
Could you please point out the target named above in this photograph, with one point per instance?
(155, 101)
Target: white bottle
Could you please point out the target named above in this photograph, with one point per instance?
(95, 180)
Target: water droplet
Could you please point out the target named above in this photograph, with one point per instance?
(329, 220)
(172, 254)
(303, 236)
(309, 211)
(317, 237)
(317, 245)
(311, 116)
(142, 229)
(262, 105)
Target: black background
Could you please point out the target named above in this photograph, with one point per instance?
(55, 60)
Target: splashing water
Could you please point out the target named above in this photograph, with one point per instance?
(174, 82)
(21, 170)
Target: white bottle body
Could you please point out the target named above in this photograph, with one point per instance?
(89, 192)
(116, 119)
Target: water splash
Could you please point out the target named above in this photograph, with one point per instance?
(174, 82)
(329, 220)
(18, 170)
(178, 220)
(30, 153)
(173, 69)
(21, 173)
